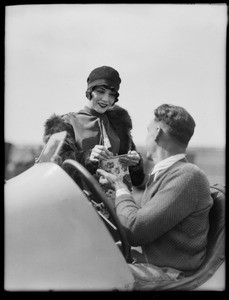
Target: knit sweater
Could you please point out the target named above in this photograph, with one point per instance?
(172, 222)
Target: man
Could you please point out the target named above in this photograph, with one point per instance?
(172, 221)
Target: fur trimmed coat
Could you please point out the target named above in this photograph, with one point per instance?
(120, 122)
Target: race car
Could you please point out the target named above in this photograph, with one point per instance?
(57, 240)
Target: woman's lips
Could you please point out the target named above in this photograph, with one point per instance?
(103, 105)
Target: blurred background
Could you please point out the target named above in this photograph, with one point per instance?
(165, 53)
(211, 160)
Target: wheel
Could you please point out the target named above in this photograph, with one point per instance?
(98, 194)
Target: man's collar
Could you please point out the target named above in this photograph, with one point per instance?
(168, 162)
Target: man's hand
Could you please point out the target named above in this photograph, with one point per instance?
(115, 181)
(131, 159)
(106, 177)
(100, 152)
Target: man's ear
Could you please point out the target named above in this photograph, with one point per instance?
(158, 134)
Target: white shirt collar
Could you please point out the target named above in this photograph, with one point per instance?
(166, 163)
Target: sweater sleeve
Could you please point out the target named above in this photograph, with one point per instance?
(174, 201)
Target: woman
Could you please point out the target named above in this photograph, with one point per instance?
(100, 130)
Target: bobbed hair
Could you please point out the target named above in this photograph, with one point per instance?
(89, 91)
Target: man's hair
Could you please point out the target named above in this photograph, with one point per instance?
(178, 122)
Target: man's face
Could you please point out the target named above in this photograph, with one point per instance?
(102, 99)
(151, 145)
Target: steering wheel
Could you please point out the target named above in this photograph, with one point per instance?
(97, 192)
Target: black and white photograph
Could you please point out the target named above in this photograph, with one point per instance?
(85, 84)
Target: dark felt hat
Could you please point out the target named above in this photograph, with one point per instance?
(104, 76)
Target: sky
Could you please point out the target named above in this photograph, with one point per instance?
(164, 53)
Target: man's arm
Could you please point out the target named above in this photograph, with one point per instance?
(175, 200)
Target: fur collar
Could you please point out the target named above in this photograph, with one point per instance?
(122, 124)
(119, 118)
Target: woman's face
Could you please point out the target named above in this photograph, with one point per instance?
(102, 99)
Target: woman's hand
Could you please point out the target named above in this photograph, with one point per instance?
(99, 152)
(131, 159)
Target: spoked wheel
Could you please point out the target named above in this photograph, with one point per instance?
(99, 196)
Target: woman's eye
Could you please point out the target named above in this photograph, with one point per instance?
(112, 95)
(100, 91)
